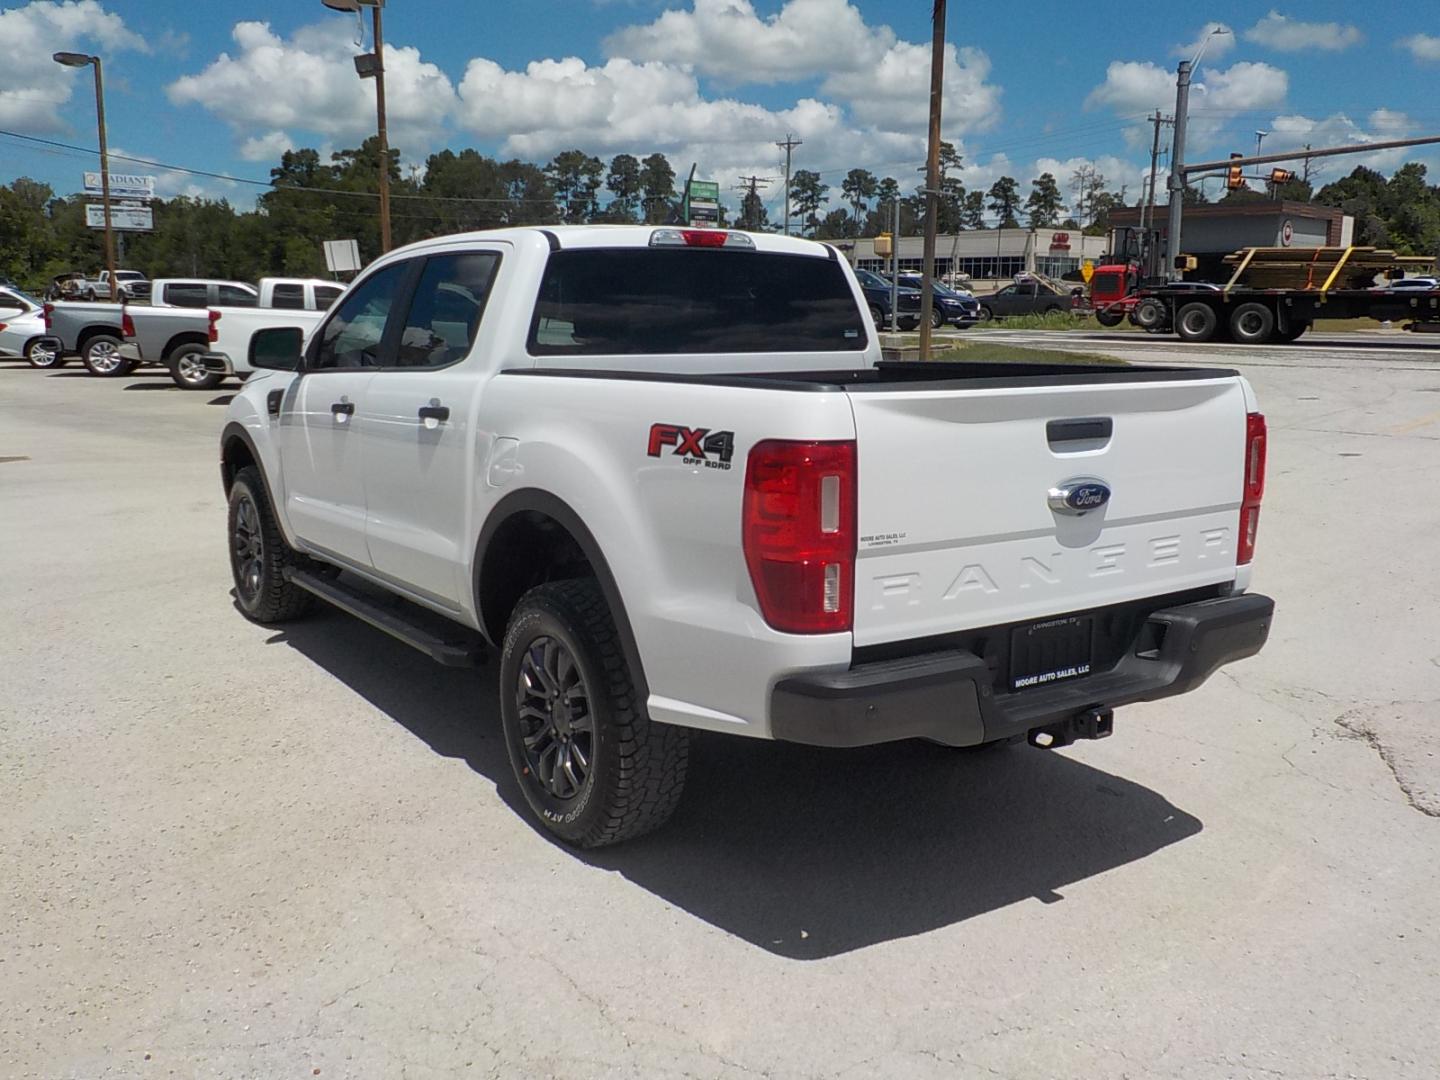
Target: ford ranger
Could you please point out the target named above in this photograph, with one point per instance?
(664, 473)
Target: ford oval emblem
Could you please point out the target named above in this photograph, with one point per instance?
(1079, 495)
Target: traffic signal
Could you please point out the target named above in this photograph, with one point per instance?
(883, 244)
(1235, 178)
(1281, 176)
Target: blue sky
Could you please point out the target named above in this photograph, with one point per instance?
(715, 81)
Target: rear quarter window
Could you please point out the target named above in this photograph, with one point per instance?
(646, 301)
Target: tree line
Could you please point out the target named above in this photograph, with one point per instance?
(310, 200)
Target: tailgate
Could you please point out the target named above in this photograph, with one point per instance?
(956, 525)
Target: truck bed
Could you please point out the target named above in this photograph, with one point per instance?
(891, 375)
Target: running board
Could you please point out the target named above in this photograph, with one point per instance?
(457, 651)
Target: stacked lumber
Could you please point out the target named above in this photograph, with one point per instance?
(1310, 268)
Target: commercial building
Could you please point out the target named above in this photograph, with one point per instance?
(988, 257)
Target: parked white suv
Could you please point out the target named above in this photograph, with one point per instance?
(666, 475)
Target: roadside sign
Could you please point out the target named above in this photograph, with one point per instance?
(1287, 233)
(1087, 270)
(704, 191)
(122, 186)
(342, 256)
(128, 218)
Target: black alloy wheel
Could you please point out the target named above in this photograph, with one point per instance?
(557, 727)
(247, 550)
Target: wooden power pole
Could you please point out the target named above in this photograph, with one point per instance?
(932, 174)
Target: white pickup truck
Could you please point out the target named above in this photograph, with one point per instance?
(666, 474)
(293, 303)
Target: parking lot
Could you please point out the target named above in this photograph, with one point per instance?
(232, 851)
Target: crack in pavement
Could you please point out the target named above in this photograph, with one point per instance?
(1422, 792)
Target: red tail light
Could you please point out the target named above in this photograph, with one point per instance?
(799, 534)
(127, 324)
(2, 326)
(213, 332)
(49, 310)
(1255, 439)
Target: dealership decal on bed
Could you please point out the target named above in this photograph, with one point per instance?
(696, 446)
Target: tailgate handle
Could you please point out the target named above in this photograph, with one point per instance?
(1085, 429)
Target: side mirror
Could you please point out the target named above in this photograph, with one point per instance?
(276, 348)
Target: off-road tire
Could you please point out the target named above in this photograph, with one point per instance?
(1149, 315)
(183, 363)
(57, 358)
(261, 591)
(95, 347)
(1196, 322)
(636, 766)
(1252, 324)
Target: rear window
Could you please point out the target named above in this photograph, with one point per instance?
(629, 301)
(288, 296)
(231, 295)
(186, 294)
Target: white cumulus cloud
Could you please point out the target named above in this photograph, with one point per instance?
(33, 88)
(267, 147)
(1133, 86)
(1284, 34)
(726, 38)
(1295, 130)
(1422, 46)
(308, 83)
(1220, 43)
(895, 94)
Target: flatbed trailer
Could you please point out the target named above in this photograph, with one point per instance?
(1260, 316)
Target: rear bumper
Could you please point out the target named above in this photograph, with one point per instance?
(950, 697)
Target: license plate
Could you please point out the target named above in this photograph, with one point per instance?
(1050, 652)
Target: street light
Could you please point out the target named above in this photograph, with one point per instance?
(77, 60)
(1176, 183)
(372, 66)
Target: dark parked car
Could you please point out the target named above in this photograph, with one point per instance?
(1022, 298)
(877, 295)
(959, 309)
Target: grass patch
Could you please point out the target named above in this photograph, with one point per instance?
(998, 352)
(1053, 320)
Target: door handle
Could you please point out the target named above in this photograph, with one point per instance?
(342, 408)
(435, 412)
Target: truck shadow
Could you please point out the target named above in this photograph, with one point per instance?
(806, 853)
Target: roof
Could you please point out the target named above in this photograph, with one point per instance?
(574, 237)
(1130, 215)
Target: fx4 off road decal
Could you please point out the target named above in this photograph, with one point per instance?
(696, 446)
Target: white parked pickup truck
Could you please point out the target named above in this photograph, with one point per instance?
(293, 302)
(665, 474)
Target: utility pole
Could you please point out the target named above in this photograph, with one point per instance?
(1306, 175)
(754, 183)
(381, 132)
(1176, 185)
(789, 144)
(895, 267)
(932, 173)
(1147, 212)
